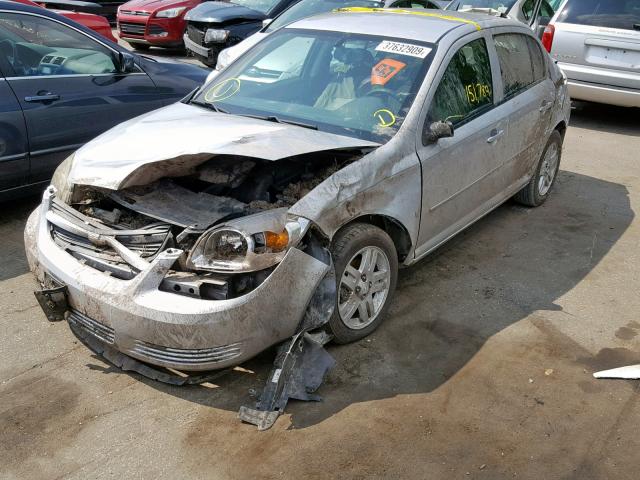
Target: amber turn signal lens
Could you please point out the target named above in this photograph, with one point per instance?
(277, 242)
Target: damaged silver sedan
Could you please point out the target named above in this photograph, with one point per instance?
(280, 199)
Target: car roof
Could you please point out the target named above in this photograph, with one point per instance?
(415, 24)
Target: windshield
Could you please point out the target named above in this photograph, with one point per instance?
(497, 6)
(623, 14)
(307, 8)
(356, 85)
(262, 6)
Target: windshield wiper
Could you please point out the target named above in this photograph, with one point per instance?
(273, 118)
(210, 106)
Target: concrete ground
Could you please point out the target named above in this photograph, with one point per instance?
(482, 370)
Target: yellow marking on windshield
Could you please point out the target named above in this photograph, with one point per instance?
(382, 121)
(223, 90)
(408, 12)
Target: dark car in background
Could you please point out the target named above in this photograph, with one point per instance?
(308, 8)
(61, 85)
(214, 26)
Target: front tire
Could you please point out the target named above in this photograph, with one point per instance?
(211, 63)
(366, 264)
(140, 47)
(536, 192)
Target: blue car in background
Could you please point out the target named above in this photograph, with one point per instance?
(62, 85)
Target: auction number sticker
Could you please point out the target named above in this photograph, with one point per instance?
(403, 49)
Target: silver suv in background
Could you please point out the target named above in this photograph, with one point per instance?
(534, 13)
(597, 45)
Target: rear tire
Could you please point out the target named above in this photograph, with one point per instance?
(366, 264)
(536, 192)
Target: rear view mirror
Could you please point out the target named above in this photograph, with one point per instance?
(438, 130)
(127, 63)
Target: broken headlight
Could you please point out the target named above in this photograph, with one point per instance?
(248, 244)
(60, 180)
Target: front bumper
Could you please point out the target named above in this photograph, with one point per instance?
(166, 329)
(211, 53)
(151, 30)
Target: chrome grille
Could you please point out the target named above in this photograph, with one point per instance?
(98, 330)
(154, 353)
(195, 34)
(135, 12)
(186, 356)
(70, 230)
(132, 28)
(146, 246)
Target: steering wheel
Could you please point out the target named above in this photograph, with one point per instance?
(375, 92)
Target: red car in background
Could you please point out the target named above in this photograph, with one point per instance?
(96, 23)
(147, 23)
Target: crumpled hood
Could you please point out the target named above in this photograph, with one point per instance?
(189, 135)
(218, 12)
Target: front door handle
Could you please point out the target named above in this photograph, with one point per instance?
(546, 105)
(42, 96)
(495, 135)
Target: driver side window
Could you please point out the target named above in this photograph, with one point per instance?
(465, 89)
(35, 46)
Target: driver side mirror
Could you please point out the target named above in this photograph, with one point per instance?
(438, 130)
(127, 63)
(266, 22)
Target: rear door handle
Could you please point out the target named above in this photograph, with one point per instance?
(42, 96)
(495, 135)
(546, 105)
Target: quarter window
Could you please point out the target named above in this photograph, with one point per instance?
(537, 60)
(466, 86)
(36, 46)
(521, 62)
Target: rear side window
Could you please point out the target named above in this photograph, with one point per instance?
(537, 60)
(624, 14)
(466, 86)
(521, 62)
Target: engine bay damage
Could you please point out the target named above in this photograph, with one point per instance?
(245, 202)
(175, 212)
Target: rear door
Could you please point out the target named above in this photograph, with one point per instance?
(598, 41)
(69, 87)
(530, 94)
(14, 161)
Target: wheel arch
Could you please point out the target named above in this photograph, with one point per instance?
(561, 127)
(391, 226)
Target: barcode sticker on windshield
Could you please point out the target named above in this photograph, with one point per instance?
(403, 49)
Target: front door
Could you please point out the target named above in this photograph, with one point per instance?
(461, 175)
(14, 161)
(69, 87)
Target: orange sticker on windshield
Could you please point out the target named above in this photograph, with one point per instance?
(385, 70)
